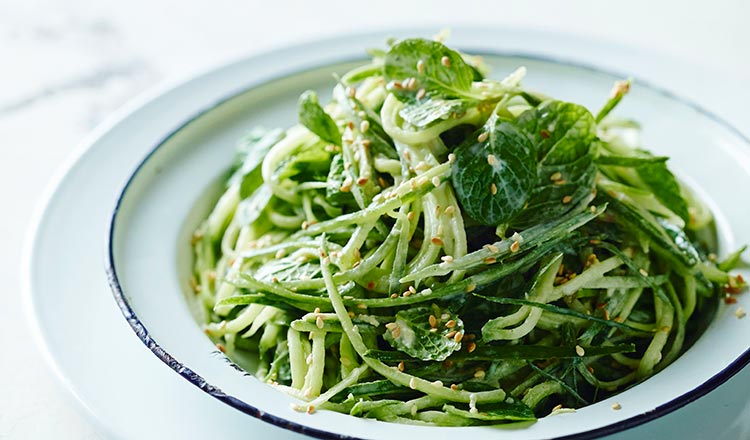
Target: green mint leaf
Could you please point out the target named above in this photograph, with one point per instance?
(494, 172)
(665, 187)
(312, 116)
(424, 112)
(414, 334)
(431, 64)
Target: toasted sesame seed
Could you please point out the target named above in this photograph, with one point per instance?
(555, 176)
(470, 288)
(492, 248)
(740, 312)
(362, 181)
(493, 189)
(458, 337)
(557, 407)
(396, 332)
(361, 306)
(432, 320)
(394, 295)
(420, 66)
(451, 158)
(643, 272)
(567, 199)
(412, 289)
(445, 61)
(454, 387)
(479, 374)
(421, 93)
(483, 136)
(471, 347)
(437, 241)
(515, 246)
(436, 181)
(221, 348)
(490, 260)
(413, 383)
(592, 208)
(616, 406)
(580, 351)
(406, 294)
(450, 324)
(305, 225)
(310, 409)
(451, 334)
(491, 159)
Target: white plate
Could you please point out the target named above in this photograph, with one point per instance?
(125, 387)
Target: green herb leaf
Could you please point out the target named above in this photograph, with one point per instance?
(440, 69)
(250, 153)
(312, 116)
(424, 112)
(251, 208)
(413, 334)
(494, 189)
(665, 187)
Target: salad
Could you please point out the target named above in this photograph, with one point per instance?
(432, 246)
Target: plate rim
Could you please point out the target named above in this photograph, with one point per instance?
(141, 331)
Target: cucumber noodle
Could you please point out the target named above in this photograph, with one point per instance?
(435, 247)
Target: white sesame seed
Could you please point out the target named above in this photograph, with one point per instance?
(483, 136)
(643, 272)
(445, 61)
(740, 312)
(479, 374)
(451, 158)
(436, 181)
(580, 351)
(421, 93)
(491, 159)
(420, 66)
(555, 176)
(493, 189)
(364, 126)
(616, 406)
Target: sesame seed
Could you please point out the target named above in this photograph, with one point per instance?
(740, 312)
(592, 208)
(406, 294)
(437, 241)
(471, 347)
(394, 295)
(479, 374)
(351, 91)
(483, 136)
(451, 334)
(396, 332)
(412, 289)
(555, 176)
(364, 126)
(557, 407)
(361, 306)
(445, 316)
(666, 329)
(490, 260)
(221, 348)
(447, 258)
(454, 387)
(515, 246)
(421, 93)
(319, 322)
(616, 406)
(305, 224)
(445, 61)
(436, 181)
(643, 272)
(449, 210)
(491, 159)
(458, 337)
(450, 324)
(580, 351)
(362, 181)
(413, 383)
(492, 248)
(420, 66)
(451, 158)
(400, 366)
(432, 320)
(567, 199)
(493, 189)
(470, 288)
(391, 325)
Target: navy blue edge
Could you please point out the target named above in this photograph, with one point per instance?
(194, 378)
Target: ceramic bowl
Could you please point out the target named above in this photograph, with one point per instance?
(174, 187)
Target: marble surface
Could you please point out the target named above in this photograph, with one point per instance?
(66, 65)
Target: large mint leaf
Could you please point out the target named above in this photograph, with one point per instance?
(495, 172)
(413, 333)
(312, 116)
(435, 68)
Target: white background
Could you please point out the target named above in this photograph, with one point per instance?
(65, 65)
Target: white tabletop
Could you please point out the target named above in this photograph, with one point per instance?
(67, 65)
